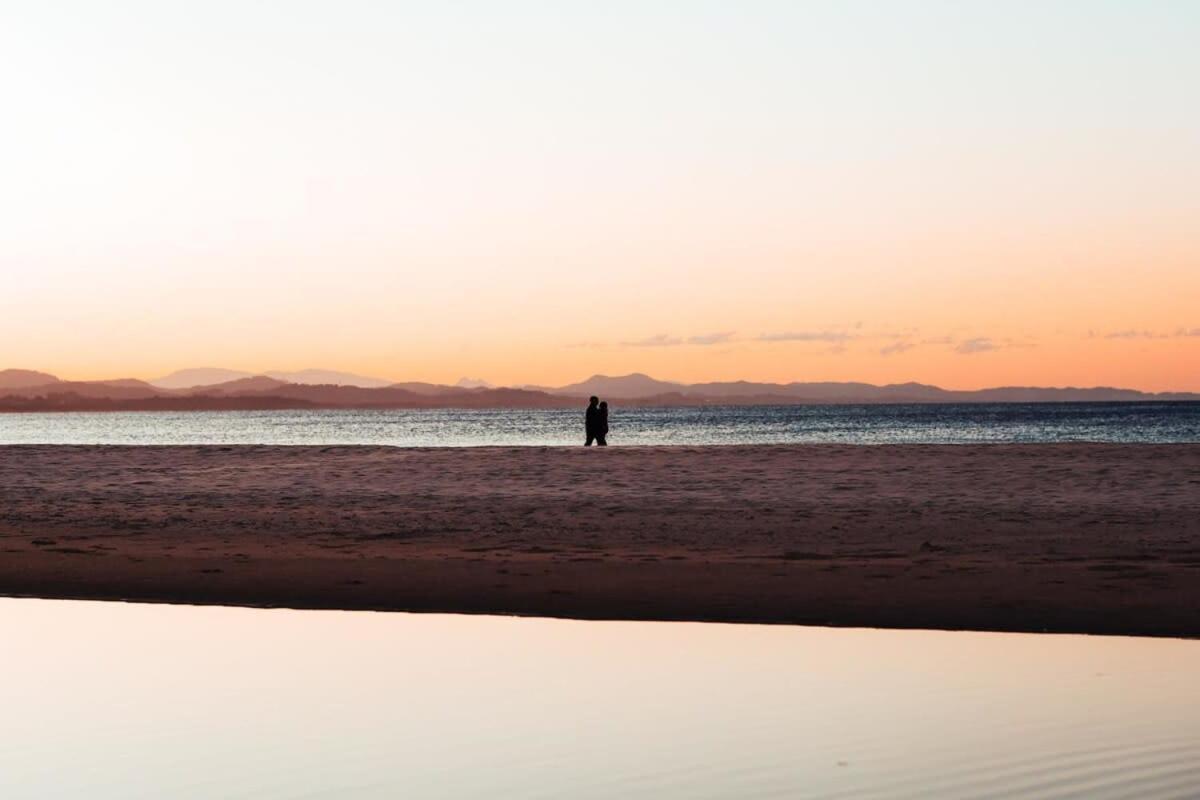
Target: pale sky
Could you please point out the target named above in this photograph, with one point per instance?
(960, 193)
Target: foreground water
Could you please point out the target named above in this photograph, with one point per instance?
(865, 424)
(110, 700)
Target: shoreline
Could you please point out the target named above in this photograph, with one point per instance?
(1070, 538)
(500, 613)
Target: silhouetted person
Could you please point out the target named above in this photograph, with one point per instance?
(602, 424)
(591, 418)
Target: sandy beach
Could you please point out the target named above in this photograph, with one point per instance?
(1084, 538)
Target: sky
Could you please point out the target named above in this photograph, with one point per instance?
(961, 193)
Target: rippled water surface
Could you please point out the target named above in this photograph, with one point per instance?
(109, 700)
(870, 424)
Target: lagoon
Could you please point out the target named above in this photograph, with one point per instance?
(116, 700)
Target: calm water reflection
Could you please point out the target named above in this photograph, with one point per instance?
(123, 701)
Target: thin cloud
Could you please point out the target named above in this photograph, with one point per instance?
(711, 338)
(896, 347)
(1133, 334)
(979, 344)
(833, 337)
(661, 340)
(667, 340)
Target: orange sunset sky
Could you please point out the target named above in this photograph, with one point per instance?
(964, 194)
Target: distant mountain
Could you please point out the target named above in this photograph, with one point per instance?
(474, 383)
(627, 387)
(840, 392)
(26, 390)
(638, 386)
(126, 383)
(202, 376)
(431, 389)
(108, 390)
(255, 385)
(327, 377)
(329, 396)
(212, 376)
(1036, 394)
(748, 392)
(24, 378)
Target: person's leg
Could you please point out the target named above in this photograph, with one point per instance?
(601, 439)
(588, 443)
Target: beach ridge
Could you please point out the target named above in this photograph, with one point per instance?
(1089, 538)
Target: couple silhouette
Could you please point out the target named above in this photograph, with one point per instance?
(595, 422)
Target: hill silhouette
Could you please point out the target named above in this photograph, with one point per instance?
(255, 385)
(28, 390)
(24, 378)
(631, 387)
(199, 376)
(323, 377)
(214, 376)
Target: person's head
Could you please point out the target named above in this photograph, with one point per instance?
(604, 406)
(592, 402)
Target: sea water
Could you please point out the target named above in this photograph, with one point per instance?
(710, 425)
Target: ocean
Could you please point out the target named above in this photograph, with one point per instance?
(711, 425)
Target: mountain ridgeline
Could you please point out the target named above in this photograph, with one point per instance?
(27, 390)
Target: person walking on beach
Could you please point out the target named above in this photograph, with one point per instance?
(591, 419)
(602, 424)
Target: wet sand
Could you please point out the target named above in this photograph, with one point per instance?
(1074, 537)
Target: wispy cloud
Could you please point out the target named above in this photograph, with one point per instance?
(806, 336)
(711, 338)
(667, 340)
(907, 334)
(1142, 333)
(660, 340)
(896, 347)
(1134, 334)
(979, 344)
